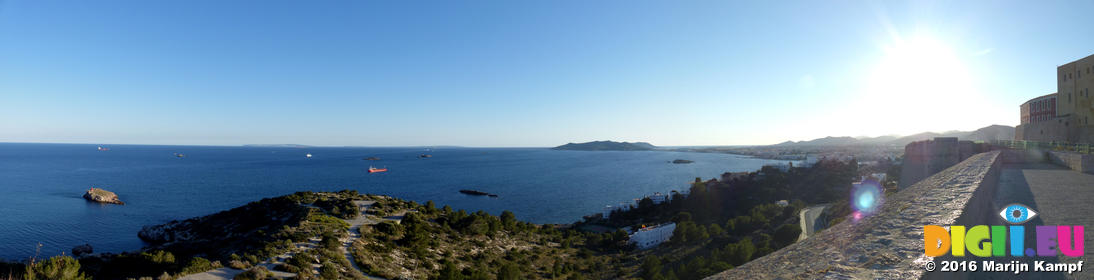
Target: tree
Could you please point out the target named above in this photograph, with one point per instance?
(509, 271)
(449, 272)
(651, 267)
(787, 234)
(430, 207)
(508, 220)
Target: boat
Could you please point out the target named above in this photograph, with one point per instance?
(375, 170)
(307, 155)
(180, 155)
(478, 193)
(103, 149)
(372, 158)
(425, 156)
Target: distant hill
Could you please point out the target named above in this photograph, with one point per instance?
(607, 146)
(988, 133)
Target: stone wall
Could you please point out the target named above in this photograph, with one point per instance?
(925, 158)
(888, 245)
(1075, 161)
(1062, 129)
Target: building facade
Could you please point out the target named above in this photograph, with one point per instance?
(1065, 115)
(1042, 108)
(649, 237)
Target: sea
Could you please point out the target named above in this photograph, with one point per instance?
(43, 214)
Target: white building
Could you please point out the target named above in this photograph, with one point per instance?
(783, 203)
(649, 237)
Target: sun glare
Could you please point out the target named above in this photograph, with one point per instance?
(922, 83)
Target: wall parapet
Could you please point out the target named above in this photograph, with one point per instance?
(888, 245)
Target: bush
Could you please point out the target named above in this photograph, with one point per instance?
(197, 265)
(256, 273)
(509, 271)
(59, 267)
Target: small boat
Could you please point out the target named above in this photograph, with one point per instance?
(103, 149)
(179, 155)
(372, 158)
(307, 155)
(375, 170)
(425, 156)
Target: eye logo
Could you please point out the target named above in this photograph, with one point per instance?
(1017, 213)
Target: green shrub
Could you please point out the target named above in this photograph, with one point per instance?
(256, 273)
(55, 268)
(197, 265)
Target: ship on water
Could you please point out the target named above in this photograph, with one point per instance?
(375, 170)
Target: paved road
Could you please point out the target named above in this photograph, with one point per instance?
(808, 218)
(1060, 196)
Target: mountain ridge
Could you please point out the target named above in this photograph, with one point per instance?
(987, 133)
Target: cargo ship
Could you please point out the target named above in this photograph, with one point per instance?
(374, 169)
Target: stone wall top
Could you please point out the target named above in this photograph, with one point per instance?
(888, 245)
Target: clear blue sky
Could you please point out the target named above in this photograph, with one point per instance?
(522, 73)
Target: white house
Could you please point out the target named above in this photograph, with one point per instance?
(649, 237)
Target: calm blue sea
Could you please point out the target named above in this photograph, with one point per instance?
(42, 184)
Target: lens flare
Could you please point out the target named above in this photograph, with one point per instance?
(866, 198)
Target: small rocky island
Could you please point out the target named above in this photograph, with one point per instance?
(477, 193)
(607, 146)
(102, 196)
(682, 161)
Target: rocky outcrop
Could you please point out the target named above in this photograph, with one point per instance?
(102, 196)
(81, 250)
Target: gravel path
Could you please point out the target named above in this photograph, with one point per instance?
(355, 231)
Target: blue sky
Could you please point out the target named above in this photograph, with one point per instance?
(522, 73)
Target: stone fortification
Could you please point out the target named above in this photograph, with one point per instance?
(925, 158)
(888, 245)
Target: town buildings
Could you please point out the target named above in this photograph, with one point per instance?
(1063, 116)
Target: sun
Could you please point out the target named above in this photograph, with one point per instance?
(921, 84)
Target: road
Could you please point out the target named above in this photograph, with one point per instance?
(808, 218)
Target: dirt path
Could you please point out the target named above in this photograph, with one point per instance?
(355, 231)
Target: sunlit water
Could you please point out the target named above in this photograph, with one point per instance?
(42, 184)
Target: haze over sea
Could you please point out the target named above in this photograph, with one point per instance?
(43, 183)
